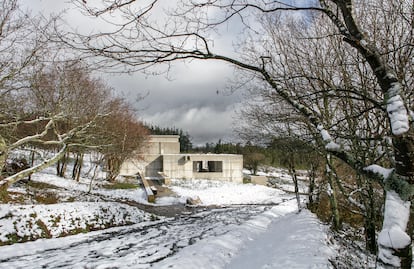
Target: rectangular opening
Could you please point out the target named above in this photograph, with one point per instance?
(208, 166)
(215, 166)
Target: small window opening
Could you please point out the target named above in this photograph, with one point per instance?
(208, 166)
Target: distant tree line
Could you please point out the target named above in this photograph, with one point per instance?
(278, 152)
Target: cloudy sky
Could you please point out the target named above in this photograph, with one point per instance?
(194, 98)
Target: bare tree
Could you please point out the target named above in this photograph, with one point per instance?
(15, 31)
(50, 105)
(69, 89)
(123, 134)
(186, 32)
(21, 45)
(328, 79)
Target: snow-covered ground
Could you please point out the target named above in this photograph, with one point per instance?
(251, 227)
(213, 192)
(36, 221)
(278, 238)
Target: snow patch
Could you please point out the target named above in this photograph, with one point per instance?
(326, 137)
(324, 133)
(136, 195)
(329, 189)
(31, 221)
(376, 169)
(363, 42)
(397, 112)
(213, 192)
(332, 146)
(393, 235)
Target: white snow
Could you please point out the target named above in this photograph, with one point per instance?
(137, 195)
(393, 235)
(276, 236)
(384, 172)
(363, 42)
(326, 137)
(329, 190)
(332, 146)
(324, 133)
(397, 112)
(301, 236)
(213, 192)
(64, 218)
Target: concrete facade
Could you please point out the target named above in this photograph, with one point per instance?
(163, 156)
(163, 144)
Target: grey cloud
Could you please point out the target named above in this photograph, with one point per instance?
(205, 124)
(192, 99)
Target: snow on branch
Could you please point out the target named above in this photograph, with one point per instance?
(46, 163)
(326, 137)
(385, 173)
(355, 202)
(35, 137)
(397, 112)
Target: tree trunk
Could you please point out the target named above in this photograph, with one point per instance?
(336, 218)
(113, 166)
(369, 223)
(3, 158)
(370, 236)
(32, 161)
(395, 238)
(292, 172)
(77, 167)
(295, 181)
(5, 183)
(93, 177)
(62, 165)
(312, 178)
(58, 168)
(394, 244)
(3, 154)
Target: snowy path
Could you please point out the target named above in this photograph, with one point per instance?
(276, 239)
(294, 242)
(137, 246)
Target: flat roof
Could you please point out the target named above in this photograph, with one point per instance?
(166, 136)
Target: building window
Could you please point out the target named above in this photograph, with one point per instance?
(208, 166)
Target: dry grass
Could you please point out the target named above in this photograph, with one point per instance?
(120, 185)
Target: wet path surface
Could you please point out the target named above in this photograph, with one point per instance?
(137, 246)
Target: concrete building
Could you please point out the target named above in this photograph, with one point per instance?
(162, 157)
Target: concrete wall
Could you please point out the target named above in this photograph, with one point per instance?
(163, 144)
(182, 166)
(132, 167)
(259, 180)
(162, 155)
(151, 160)
(148, 165)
